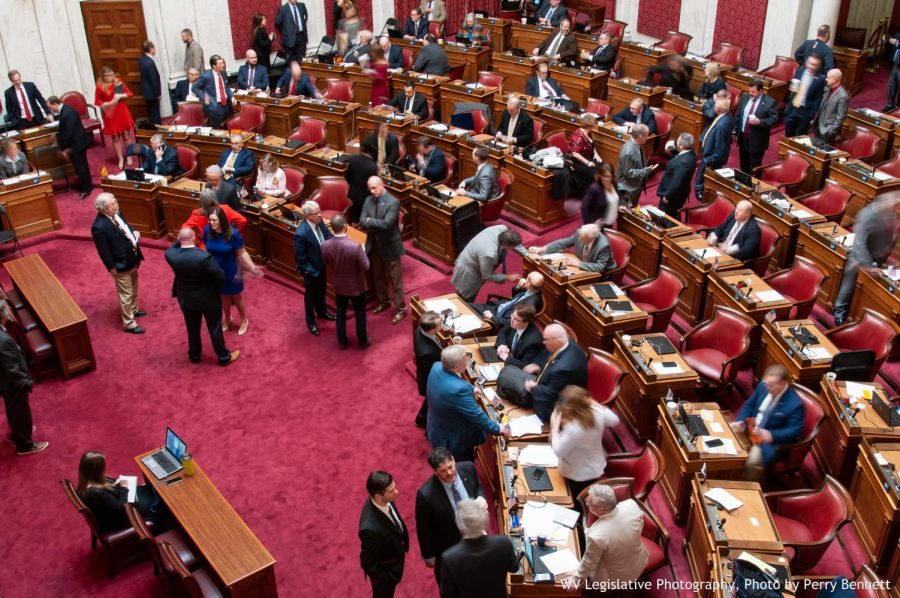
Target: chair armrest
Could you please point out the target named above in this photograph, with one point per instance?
(684, 338)
(95, 109)
(632, 285)
(769, 277)
(840, 328)
(731, 360)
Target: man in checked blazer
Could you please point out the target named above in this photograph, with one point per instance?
(591, 248)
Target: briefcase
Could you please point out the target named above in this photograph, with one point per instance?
(511, 386)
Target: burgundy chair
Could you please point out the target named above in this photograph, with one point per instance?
(151, 542)
(450, 162)
(479, 123)
(676, 41)
(311, 130)
(197, 584)
(538, 132)
(831, 202)
(645, 469)
(332, 195)
(430, 103)
(785, 174)
(339, 90)
(621, 245)
(707, 216)
(728, 53)
(800, 284)
(658, 297)
(492, 208)
(189, 158)
(605, 374)
(294, 180)
(783, 69)
(717, 347)
(892, 166)
(401, 146)
(581, 22)
(873, 332)
(861, 144)
(616, 29)
(735, 94)
(558, 140)
(252, 117)
(491, 79)
(808, 520)
(664, 122)
(436, 29)
(769, 239)
(407, 59)
(190, 114)
(84, 110)
(791, 456)
(457, 72)
(597, 107)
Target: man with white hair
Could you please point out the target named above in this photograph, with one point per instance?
(308, 240)
(252, 76)
(393, 54)
(117, 245)
(238, 162)
(833, 109)
(516, 126)
(478, 564)
(591, 248)
(226, 192)
(564, 363)
(613, 550)
(162, 158)
(184, 89)
(739, 235)
(360, 51)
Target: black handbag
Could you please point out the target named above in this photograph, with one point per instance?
(511, 386)
(751, 582)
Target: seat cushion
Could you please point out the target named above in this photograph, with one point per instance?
(91, 123)
(791, 530)
(183, 551)
(706, 362)
(39, 342)
(207, 585)
(15, 298)
(656, 558)
(26, 319)
(117, 536)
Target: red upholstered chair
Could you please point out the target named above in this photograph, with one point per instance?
(808, 520)
(830, 202)
(190, 114)
(605, 373)
(189, 158)
(331, 195)
(407, 59)
(479, 122)
(861, 144)
(121, 546)
(492, 208)
(645, 469)
(457, 72)
(538, 132)
(709, 215)
(581, 22)
(735, 94)
(597, 107)
(621, 245)
(782, 70)
(450, 161)
(716, 348)
(800, 284)
(197, 584)
(728, 53)
(558, 140)
(151, 542)
(769, 240)
(84, 110)
(791, 456)
(436, 29)
(430, 103)
(676, 41)
(294, 180)
(872, 332)
(491, 79)
(658, 297)
(892, 166)
(339, 90)
(252, 117)
(664, 122)
(616, 29)
(401, 146)
(785, 174)
(311, 130)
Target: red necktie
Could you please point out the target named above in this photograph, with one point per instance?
(25, 104)
(224, 100)
(747, 120)
(293, 87)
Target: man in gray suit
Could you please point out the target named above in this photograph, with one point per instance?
(875, 234)
(833, 109)
(590, 246)
(477, 262)
(380, 220)
(432, 59)
(483, 185)
(632, 175)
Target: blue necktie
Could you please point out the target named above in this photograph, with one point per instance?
(509, 304)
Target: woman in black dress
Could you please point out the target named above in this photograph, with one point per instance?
(106, 497)
(262, 40)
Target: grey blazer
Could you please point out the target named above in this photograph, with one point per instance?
(630, 177)
(874, 234)
(478, 260)
(11, 169)
(832, 112)
(383, 229)
(600, 258)
(483, 185)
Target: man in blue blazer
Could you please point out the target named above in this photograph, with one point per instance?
(252, 76)
(777, 414)
(806, 95)
(291, 23)
(565, 364)
(416, 27)
(215, 94)
(237, 162)
(550, 13)
(542, 85)
(151, 88)
(455, 421)
(294, 82)
(739, 235)
(431, 162)
(162, 158)
(393, 54)
(25, 106)
(637, 113)
(716, 142)
(308, 239)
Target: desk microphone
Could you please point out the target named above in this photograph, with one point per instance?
(721, 524)
(834, 230)
(703, 254)
(855, 411)
(749, 290)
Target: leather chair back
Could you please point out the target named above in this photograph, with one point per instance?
(491, 79)
(728, 333)
(782, 70)
(252, 117)
(332, 195)
(407, 59)
(430, 103)
(605, 375)
(800, 284)
(339, 90)
(860, 145)
(179, 570)
(76, 101)
(664, 122)
(708, 215)
(450, 162)
(311, 130)
(892, 166)
(616, 29)
(190, 114)
(621, 245)
(597, 107)
(728, 53)
(658, 297)
(145, 537)
(558, 140)
(735, 94)
(436, 29)
(294, 178)
(791, 456)
(645, 468)
(676, 41)
(478, 121)
(189, 158)
(786, 174)
(873, 332)
(831, 202)
(538, 132)
(768, 243)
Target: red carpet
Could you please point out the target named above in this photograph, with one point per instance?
(288, 433)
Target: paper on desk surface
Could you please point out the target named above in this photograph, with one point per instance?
(467, 323)
(856, 390)
(817, 353)
(660, 368)
(724, 498)
(489, 372)
(801, 214)
(438, 127)
(440, 305)
(539, 519)
(540, 455)
(489, 393)
(728, 173)
(561, 561)
(716, 427)
(131, 480)
(882, 176)
(552, 257)
(769, 296)
(707, 415)
(727, 447)
(520, 426)
(892, 274)
(845, 240)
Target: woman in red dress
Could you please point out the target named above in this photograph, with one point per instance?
(379, 73)
(117, 121)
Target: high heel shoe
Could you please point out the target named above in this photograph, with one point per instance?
(226, 325)
(245, 324)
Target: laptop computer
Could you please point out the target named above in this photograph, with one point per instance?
(519, 52)
(166, 460)
(567, 105)
(886, 411)
(539, 569)
(463, 39)
(134, 174)
(394, 34)
(661, 345)
(693, 423)
(743, 178)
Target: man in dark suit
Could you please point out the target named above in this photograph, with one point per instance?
(380, 220)
(251, 75)
(291, 23)
(151, 88)
(483, 185)
(542, 85)
(566, 364)
(527, 291)
(807, 88)
(604, 56)
(716, 142)
(431, 162)
(415, 27)
(516, 126)
(25, 106)
(757, 112)
(392, 53)
(520, 342)
(347, 261)
(436, 503)
(426, 352)
(186, 89)
(162, 158)
(560, 48)
(117, 245)
(15, 386)
(226, 192)
(214, 92)
(478, 564)
(590, 246)
(294, 82)
(73, 140)
(833, 109)
(237, 162)
(360, 167)
(892, 50)
(819, 47)
(432, 59)
(308, 240)
(198, 279)
(383, 536)
(550, 13)
(774, 414)
(675, 186)
(636, 113)
(359, 52)
(739, 235)
(387, 146)
(409, 101)
(632, 172)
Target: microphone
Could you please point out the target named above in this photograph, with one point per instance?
(834, 230)
(854, 412)
(702, 254)
(721, 524)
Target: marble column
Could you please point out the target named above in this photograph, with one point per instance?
(698, 18)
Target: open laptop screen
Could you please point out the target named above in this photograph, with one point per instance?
(174, 444)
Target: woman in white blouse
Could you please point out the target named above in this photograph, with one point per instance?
(270, 178)
(576, 436)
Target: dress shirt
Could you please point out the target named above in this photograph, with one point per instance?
(544, 90)
(708, 129)
(316, 232)
(461, 493)
(764, 407)
(221, 96)
(552, 48)
(390, 512)
(407, 106)
(229, 163)
(549, 14)
(510, 303)
(728, 243)
(22, 96)
(430, 6)
(512, 125)
(586, 251)
(515, 340)
(120, 224)
(749, 110)
(271, 183)
(550, 360)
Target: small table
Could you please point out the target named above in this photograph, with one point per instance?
(648, 227)
(442, 228)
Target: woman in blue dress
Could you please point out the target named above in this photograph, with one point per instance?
(227, 247)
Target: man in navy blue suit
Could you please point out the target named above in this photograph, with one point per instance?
(393, 54)
(294, 82)
(431, 162)
(716, 142)
(25, 106)
(550, 13)
(151, 88)
(216, 95)
(308, 239)
(565, 364)
(237, 162)
(542, 85)
(773, 414)
(636, 113)
(291, 22)
(739, 235)
(251, 75)
(415, 27)
(162, 158)
(807, 88)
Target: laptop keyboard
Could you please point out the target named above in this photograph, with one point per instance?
(538, 565)
(166, 462)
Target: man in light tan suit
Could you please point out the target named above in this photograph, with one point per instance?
(193, 53)
(433, 10)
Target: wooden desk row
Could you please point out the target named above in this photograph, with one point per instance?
(30, 205)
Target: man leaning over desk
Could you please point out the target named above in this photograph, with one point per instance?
(590, 245)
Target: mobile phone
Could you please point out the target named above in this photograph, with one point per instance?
(713, 443)
(537, 473)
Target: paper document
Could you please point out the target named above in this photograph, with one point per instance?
(817, 353)
(489, 393)
(723, 498)
(706, 415)
(727, 447)
(893, 274)
(131, 480)
(467, 323)
(749, 558)
(566, 517)
(438, 127)
(489, 372)
(14, 180)
(540, 455)
(552, 257)
(520, 426)
(716, 427)
(538, 519)
(661, 368)
(561, 561)
(845, 240)
(879, 458)
(801, 214)
(769, 296)
(440, 305)
(882, 176)
(728, 173)
(856, 390)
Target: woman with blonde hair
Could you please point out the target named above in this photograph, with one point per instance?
(117, 121)
(712, 81)
(583, 154)
(270, 178)
(106, 497)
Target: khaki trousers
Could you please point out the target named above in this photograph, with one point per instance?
(127, 290)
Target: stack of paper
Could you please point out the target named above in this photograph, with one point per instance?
(662, 368)
(561, 562)
(817, 353)
(438, 127)
(489, 372)
(728, 173)
(723, 498)
(131, 481)
(520, 426)
(892, 273)
(769, 296)
(440, 305)
(552, 257)
(539, 455)
(801, 214)
(467, 323)
(855, 390)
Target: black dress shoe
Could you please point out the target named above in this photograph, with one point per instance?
(328, 316)
(381, 307)
(342, 347)
(135, 330)
(140, 313)
(194, 360)
(313, 329)
(366, 345)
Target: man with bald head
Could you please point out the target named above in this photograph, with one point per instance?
(198, 279)
(833, 109)
(564, 363)
(294, 82)
(380, 220)
(252, 76)
(393, 54)
(739, 235)
(527, 291)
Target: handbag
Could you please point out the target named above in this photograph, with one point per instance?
(752, 582)
(511, 386)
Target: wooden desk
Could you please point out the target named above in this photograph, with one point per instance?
(467, 144)
(498, 29)
(581, 83)
(594, 323)
(856, 177)
(556, 284)
(876, 494)
(528, 37)
(883, 126)
(777, 349)
(684, 458)
(597, 12)
(528, 103)
(56, 311)
(531, 193)
(688, 115)
(445, 332)
(691, 257)
(819, 160)
(648, 233)
(457, 91)
(211, 146)
(609, 138)
(30, 206)
(836, 447)
(558, 495)
(429, 86)
(35, 137)
(319, 163)
(141, 205)
(620, 92)
(368, 121)
(852, 63)
(822, 244)
(559, 120)
(874, 290)
(786, 223)
(444, 139)
(339, 118)
(282, 114)
(517, 70)
(637, 58)
(178, 201)
(442, 230)
(362, 84)
(643, 389)
(772, 87)
(733, 191)
(323, 72)
(275, 146)
(229, 547)
(475, 59)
